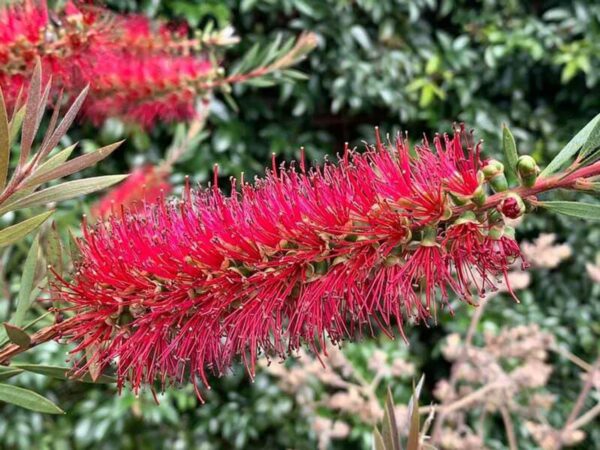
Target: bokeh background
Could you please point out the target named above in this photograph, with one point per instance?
(413, 65)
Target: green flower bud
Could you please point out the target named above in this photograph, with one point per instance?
(492, 168)
(528, 170)
(496, 232)
(494, 216)
(479, 196)
(447, 213)
(458, 200)
(429, 236)
(494, 174)
(466, 217)
(509, 232)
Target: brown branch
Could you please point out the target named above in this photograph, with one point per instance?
(444, 408)
(586, 418)
(570, 179)
(571, 357)
(585, 390)
(464, 401)
(510, 428)
(44, 335)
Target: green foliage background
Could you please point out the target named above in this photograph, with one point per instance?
(402, 65)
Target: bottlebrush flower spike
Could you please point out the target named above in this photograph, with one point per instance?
(183, 288)
(139, 70)
(145, 185)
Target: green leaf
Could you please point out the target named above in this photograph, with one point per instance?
(75, 165)
(32, 112)
(15, 124)
(94, 369)
(27, 278)
(65, 123)
(247, 61)
(14, 233)
(592, 142)
(8, 372)
(62, 373)
(54, 257)
(588, 211)
(391, 434)
(54, 161)
(378, 442)
(74, 251)
(64, 191)
(17, 335)
(569, 150)
(511, 157)
(415, 423)
(27, 399)
(4, 340)
(4, 142)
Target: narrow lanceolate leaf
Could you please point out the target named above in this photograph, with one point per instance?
(4, 142)
(571, 149)
(27, 278)
(15, 124)
(17, 335)
(54, 256)
(62, 373)
(74, 251)
(415, 420)
(64, 191)
(51, 127)
(9, 372)
(588, 211)
(94, 369)
(391, 434)
(54, 161)
(4, 340)
(75, 165)
(14, 233)
(30, 123)
(592, 142)
(378, 442)
(65, 123)
(27, 399)
(511, 157)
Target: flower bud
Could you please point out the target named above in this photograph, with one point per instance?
(429, 236)
(496, 232)
(479, 196)
(466, 217)
(528, 170)
(494, 216)
(494, 174)
(509, 231)
(458, 200)
(513, 206)
(492, 168)
(447, 214)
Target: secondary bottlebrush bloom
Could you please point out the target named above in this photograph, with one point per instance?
(145, 185)
(185, 287)
(138, 70)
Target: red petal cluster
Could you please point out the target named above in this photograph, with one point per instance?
(184, 288)
(138, 70)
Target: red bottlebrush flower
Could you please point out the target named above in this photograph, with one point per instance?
(144, 185)
(183, 288)
(138, 70)
(146, 89)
